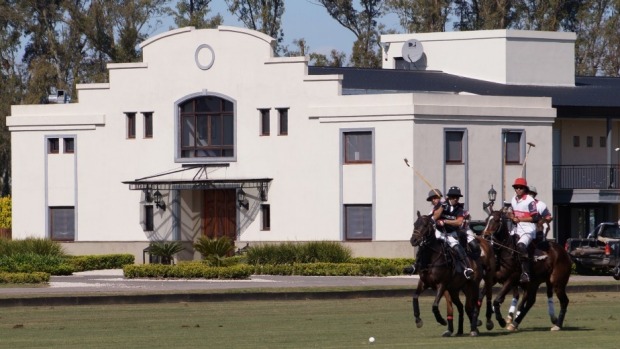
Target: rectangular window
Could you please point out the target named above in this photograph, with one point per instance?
(62, 223)
(513, 146)
(53, 146)
(358, 222)
(148, 125)
(589, 141)
(575, 141)
(131, 125)
(264, 122)
(454, 147)
(357, 147)
(148, 218)
(69, 145)
(283, 121)
(603, 142)
(265, 216)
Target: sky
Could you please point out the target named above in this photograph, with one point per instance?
(305, 19)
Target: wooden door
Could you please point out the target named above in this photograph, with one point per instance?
(220, 213)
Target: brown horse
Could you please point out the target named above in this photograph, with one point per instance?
(441, 277)
(551, 266)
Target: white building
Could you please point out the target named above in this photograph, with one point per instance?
(316, 153)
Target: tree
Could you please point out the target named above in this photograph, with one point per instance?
(484, 14)
(262, 15)
(193, 13)
(598, 29)
(363, 24)
(421, 16)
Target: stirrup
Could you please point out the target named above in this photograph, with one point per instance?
(468, 272)
(525, 278)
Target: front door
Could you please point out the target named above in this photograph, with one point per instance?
(220, 213)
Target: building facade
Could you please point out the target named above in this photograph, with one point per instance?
(213, 135)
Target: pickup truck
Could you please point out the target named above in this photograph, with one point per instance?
(600, 251)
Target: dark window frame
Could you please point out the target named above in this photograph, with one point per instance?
(513, 147)
(131, 125)
(576, 142)
(366, 220)
(53, 145)
(66, 222)
(206, 128)
(68, 146)
(148, 124)
(265, 210)
(283, 121)
(454, 138)
(265, 124)
(362, 140)
(149, 213)
(589, 141)
(603, 141)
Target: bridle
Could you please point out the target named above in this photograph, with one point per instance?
(493, 236)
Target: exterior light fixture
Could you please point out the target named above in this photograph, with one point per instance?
(242, 200)
(492, 194)
(147, 196)
(157, 198)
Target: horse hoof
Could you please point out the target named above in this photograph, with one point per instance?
(443, 322)
(554, 320)
(490, 325)
(447, 334)
(555, 328)
(512, 328)
(508, 319)
(473, 334)
(479, 323)
(419, 323)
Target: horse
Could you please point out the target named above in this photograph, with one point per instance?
(441, 276)
(551, 266)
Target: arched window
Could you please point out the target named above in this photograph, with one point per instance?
(207, 128)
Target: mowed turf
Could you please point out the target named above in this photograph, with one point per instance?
(593, 321)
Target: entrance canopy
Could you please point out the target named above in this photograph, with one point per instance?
(195, 177)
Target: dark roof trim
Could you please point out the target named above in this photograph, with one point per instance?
(200, 184)
(600, 92)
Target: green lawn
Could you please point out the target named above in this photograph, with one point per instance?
(592, 322)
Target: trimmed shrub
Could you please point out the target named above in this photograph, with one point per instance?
(30, 262)
(5, 212)
(290, 253)
(99, 262)
(24, 278)
(189, 270)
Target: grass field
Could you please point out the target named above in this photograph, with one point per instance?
(592, 322)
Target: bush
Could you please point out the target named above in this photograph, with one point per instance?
(290, 253)
(30, 262)
(165, 250)
(44, 247)
(187, 270)
(99, 262)
(214, 250)
(5, 212)
(24, 278)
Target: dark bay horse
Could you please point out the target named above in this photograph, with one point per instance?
(441, 277)
(551, 266)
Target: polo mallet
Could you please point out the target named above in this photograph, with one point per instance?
(529, 146)
(422, 177)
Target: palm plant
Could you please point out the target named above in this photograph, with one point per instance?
(165, 250)
(214, 250)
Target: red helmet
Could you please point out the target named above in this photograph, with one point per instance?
(520, 182)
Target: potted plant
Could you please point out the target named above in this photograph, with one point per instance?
(165, 250)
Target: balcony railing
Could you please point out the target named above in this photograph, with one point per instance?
(586, 177)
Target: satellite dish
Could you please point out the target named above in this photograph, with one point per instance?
(412, 50)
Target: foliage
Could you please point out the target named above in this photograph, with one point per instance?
(5, 212)
(260, 15)
(214, 250)
(28, 262)
(99, 262)
(426, 16)
(194, 13)
(45, 247)
(24, 278)
(289, 253)
(165, 250)
(187, 270)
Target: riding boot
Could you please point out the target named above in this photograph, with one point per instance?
(525, 263)
(460, 252)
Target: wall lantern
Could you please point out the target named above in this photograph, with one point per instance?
(242, 200)
(147, 196)
(157, 198)
(492, 194)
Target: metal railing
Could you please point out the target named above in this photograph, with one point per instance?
(586, 177)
